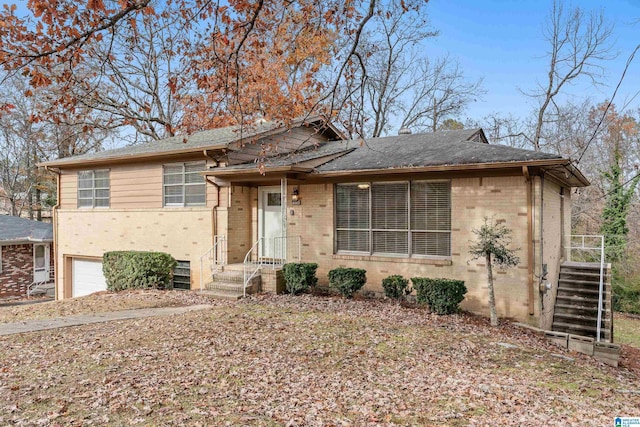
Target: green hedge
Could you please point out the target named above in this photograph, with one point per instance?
(347, 280)
(626, 298)
(442, 295)
(396, 287)
(137, 270)
(299, 277)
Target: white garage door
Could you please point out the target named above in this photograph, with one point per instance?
(87, 277)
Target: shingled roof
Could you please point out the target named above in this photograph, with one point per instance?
(441, 151)
(15, 229)
(451, 147)
(212, 139)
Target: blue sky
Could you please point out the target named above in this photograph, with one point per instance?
(501, 41)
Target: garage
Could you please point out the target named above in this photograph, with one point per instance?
(87, 277)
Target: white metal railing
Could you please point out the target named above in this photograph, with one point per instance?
(585, 248)
(35, 285)
(216, 258)
(273, 252)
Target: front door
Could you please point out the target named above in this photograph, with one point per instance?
(270, 222)
(40, 263)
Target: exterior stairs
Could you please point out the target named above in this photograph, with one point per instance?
(228, 281)
(576, 306)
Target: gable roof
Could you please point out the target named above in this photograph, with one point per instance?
(437, 151)
(212, 139)
(14, 229)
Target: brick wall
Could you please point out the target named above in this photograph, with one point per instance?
(472, 199)
(17, 269)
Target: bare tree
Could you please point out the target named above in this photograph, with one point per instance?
(578, 43)
(442, 92)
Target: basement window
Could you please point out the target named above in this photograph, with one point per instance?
(182, 275)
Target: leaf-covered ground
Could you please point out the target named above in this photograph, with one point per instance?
(305, 361)
(98, 303)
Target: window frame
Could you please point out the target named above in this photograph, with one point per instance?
(183, 185)
(94, 189)
(409, 230)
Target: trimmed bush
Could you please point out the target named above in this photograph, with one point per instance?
(396, 287)
(347, 280)
(299, 277)
(137, 270)
(442, 295)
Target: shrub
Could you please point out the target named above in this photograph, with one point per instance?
(396, 286)
(626, 298)
(442, 295)
(347, 280)
(137, 270)
(299, 277)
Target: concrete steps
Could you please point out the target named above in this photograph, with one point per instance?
(228, 283)
(576, 306)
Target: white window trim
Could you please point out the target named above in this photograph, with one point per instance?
(183, 185)
(409, 230)
(93, 190)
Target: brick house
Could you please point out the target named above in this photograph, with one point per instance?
(404, 204)
(25, 254)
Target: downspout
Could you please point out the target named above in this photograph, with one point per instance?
(543, 270)
(54, 215)
(562, 230)
(530, 248)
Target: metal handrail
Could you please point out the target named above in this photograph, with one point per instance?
(599, 248)
(247, 262)
(219, 245)
(281, 246)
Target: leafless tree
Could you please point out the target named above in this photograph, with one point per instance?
(578, 43)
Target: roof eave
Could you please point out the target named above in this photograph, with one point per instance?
(448, 167)
(221, 172)
(62, 163)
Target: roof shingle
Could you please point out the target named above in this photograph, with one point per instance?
(15, 229)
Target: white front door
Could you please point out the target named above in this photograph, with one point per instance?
(40, 263)
(270, 221)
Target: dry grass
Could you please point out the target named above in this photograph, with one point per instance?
(98, 303)
(627, 329)
(304, 361)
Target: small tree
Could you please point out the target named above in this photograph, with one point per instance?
(492, 244)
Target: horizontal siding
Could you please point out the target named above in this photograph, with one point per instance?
(137, 185)
(68, 197)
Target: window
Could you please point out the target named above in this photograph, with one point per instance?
(93, 189)
(394, 218)
(182, 275)
(183, 185)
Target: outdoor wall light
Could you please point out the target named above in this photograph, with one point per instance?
(363, 186)
(295, 197)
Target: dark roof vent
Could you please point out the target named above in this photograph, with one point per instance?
(404, 131)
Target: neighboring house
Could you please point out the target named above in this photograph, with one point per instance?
(25, 253)
(404, 204)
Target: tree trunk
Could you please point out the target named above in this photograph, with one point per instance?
(492, 298)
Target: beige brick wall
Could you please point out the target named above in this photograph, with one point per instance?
(185, 233)
(472, 199)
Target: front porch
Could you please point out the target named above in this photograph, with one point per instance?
(261, 270)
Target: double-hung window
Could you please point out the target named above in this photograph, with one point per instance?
(394, 218)
(93, 189)
(183, 185)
